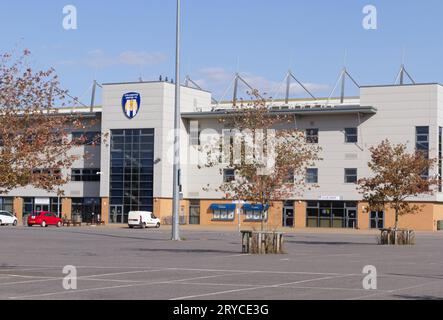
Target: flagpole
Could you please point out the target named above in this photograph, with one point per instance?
(177, 121)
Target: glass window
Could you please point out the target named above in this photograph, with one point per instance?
(312, 136)
(28, 206)
(56, 205)
(85, 175)
(290, 178)
(194, 133)
(351, 135)
(6, 204)
(311, 212)
(422, 144)
(86, 209)
(87, 138)
(312, 175)
(335, 214)
(377, 220)
(351, 176)
(132, 170)
(422, 139)
(228, 175)
(256, 215)
(223, 215)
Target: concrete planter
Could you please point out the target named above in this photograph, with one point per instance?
(397, 237)
(262, 242)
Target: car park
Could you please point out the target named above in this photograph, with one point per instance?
(7, 218)
(44, 219)
(143, 219)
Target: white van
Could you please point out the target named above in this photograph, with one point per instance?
(143, 219)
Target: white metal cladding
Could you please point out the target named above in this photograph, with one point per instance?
(381, 112)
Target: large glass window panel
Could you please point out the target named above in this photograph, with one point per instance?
(331, 214)
(312, 212)
(135, 166)
(338, 213)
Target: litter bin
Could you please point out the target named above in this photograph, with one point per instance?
(440, 225)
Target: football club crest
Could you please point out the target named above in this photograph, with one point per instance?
(131, 104)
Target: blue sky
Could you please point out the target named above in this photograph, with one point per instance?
(118, 41)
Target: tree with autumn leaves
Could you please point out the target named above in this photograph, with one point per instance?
(35, 143)
(269, 157)
(398, 176)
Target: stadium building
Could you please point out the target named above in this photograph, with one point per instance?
(132, 168)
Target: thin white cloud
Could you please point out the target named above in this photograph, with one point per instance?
(141, 58)
(99, 59)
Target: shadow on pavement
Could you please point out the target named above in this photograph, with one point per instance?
(186, 251)
(332, 243)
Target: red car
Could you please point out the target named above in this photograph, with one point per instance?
(44, 219)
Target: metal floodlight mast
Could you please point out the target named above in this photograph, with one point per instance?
(177, 120)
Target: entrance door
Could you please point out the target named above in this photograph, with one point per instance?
(194, 214)
(351, 218)
(288, 217)
(116, 214)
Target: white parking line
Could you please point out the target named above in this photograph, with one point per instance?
(48, 279)
(114, 287)
(291, 287)
(269, 272)
(256, 288)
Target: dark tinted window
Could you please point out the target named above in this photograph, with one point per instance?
(351, 135)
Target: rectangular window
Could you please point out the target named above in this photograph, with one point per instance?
(56, 205)
(335, 214)
(86, 210)
(351, 176)
(290, 178)
(87, 138)
(422, 140)
(48, 173)
(223, 215)
(312, 136)
(228, 175)
(194, 134)
(422, 144)
(312, 175)
(377, 220)
(351, 135)
(194, 212)
(85, 175)
(6, 204)
(28, 206)
(256, 215)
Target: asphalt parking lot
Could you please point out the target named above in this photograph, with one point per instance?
(119, 263)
